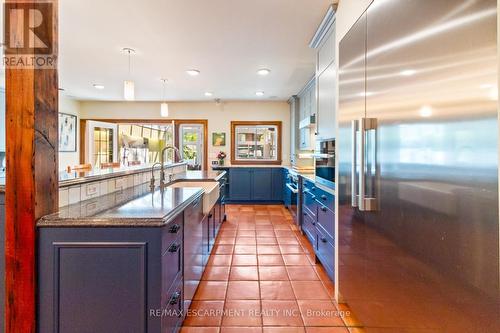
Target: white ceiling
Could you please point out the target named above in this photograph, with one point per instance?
(227, 40)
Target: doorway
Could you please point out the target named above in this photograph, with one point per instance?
(191, 145)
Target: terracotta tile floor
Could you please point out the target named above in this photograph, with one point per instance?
(262, 278)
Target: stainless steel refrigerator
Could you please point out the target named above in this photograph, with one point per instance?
(418, 222)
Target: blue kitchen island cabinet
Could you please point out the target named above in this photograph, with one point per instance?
(124, 267)
(110, 279)
(256, 185)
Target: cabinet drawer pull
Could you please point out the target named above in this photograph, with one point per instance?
(324, 197)
(323, 239)
(174, 229)
(174, 248)
(210, 215)
(305, 214)
(313, 223)
(175, 298)
(323, 208)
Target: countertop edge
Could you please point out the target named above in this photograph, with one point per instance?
(312, 178)
(50, 222)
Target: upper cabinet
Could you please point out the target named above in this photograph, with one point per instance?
(326, 52)
(307, 123)
(326, 77)
(327, 103)
(307, 98)
(294, 128)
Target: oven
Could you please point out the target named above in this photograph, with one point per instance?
(324, 160)
(292, 195)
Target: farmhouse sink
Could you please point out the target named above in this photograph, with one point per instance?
(210, 196)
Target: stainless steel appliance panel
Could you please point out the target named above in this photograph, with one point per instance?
(427, 257)
(292, 196)
(351, 109)
(324, 161)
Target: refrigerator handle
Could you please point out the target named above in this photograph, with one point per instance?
(362, 171)
(354, 158)
(366, 204)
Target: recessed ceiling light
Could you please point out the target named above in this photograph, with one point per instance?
(493, 94)
(193, 72)
(408, 72)
(366, 94)
(259, 93)
(98, 86)
(263, 71)
(208, 94)
(486, 86)
(425, 111)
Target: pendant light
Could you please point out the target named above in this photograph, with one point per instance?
(164, 105)
(129, 85)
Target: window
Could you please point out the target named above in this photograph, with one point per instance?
(103, 146)
(191, 145)
(142, 143)
(100, 143)
(256, 142)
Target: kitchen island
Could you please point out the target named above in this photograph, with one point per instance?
(128, 261)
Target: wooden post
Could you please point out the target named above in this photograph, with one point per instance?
(32, 170)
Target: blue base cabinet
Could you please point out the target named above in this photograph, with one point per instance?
(262, 185)
(256, 185)
(111, 279)
(318, 223)
(240, 184)
(278, 184)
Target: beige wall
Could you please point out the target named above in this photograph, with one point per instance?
(219, 116)
(71, 106)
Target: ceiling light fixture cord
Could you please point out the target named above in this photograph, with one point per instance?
(164, 92)
(129, 63)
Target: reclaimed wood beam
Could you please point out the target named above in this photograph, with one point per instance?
(31, 149)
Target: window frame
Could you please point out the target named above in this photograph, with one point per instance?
(279, 158)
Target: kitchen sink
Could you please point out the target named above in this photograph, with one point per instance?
(210, 196)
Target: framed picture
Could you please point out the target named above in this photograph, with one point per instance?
(67, 132)
(218, 139)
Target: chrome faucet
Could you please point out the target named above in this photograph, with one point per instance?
(152, 181)
(163, 184)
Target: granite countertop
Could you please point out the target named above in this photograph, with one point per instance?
(312, 178)
(133, 207)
